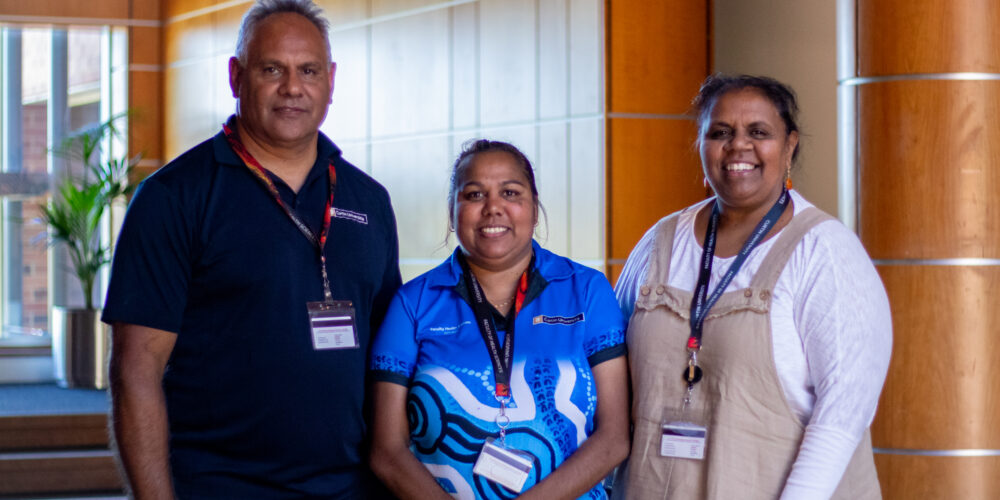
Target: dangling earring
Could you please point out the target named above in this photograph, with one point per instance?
(788, 179)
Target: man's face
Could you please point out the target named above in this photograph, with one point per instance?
(285, 88)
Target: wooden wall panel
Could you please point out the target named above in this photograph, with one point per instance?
(942, 391)
(191, 38)
(903, 36)
(145, 125)
(657, 55)
(928, 156)
(927, 477)
(144, 45)
(174, 8)
(189, 113)
(656, 172)
(147, 9)
(95, 9)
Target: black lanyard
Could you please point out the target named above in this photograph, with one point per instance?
(501, 356)
(262, 175)
(700, 305)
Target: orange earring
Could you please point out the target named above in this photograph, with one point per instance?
(788, 180)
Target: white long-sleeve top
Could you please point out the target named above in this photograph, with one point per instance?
(831, 331)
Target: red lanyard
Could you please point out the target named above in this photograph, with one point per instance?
(262, 175)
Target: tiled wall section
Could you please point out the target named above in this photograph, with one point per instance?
(417, 78)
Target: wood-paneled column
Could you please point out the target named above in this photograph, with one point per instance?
(927, 116)
(657, 56)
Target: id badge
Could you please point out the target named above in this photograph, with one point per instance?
(682, 436)
(504, 466)
(332, 325)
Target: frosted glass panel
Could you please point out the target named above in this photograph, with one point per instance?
(586, 190)
(508, 61)
(553, 58)
(415, 172)
(410, 64)
(586, 56)
(552, 175)
(348, 115)
(465, 66)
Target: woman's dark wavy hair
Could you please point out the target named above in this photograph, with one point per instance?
(478, 146)
(782, 97)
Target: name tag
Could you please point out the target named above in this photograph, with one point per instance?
(683, 440)
(506, 467)
(332, 325)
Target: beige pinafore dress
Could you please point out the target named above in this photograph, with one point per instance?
(753, 436)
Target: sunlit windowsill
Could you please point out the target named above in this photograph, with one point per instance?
(26, 359)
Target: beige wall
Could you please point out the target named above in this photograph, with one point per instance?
(795, 42)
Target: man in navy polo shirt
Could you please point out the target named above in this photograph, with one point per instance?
(249, 275)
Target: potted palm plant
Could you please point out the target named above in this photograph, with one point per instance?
(74, 218)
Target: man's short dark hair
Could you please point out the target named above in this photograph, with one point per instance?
(264, 8)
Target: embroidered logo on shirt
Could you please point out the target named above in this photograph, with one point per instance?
(448, 329)
(340, 213)
(556, 320)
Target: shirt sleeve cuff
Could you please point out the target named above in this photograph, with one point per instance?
(606, 354)
(388, 376)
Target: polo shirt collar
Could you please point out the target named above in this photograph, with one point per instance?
(547, 265)
(326, 151)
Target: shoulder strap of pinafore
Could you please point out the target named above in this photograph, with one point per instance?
(659, 257)
(769, 271)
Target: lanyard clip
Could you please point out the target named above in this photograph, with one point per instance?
(692, 372)
(502, 419)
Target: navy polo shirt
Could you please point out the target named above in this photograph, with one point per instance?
(206, 252)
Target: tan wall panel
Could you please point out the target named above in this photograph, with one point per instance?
(656, 55)
(145, 99)
(906, 477)
(904, 36)
(144, 45)
(100, 9)
(226, 24)
(174, 8)
(189, 106)
(942, 391)
(189, 39)
(928, 153)
(654, 171)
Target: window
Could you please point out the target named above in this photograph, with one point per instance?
(54, 80)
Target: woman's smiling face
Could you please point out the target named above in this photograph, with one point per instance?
(745, 149)
(494, 211)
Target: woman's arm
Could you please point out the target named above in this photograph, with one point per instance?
(842, 314)
(391, 458)
(604, 449)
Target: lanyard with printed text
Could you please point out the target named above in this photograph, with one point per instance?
(501, 356)
(261, 174)
(702, 302)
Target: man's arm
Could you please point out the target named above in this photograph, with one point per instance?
(138, 409)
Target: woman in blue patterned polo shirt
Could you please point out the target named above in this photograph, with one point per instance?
(501, 373)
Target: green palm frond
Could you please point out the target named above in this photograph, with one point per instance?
(74, 213)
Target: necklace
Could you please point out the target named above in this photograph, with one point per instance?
(503, 304)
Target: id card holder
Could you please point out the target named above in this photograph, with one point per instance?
(504, 466)
(332, 325)
(683, 435)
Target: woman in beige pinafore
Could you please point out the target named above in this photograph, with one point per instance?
(792, 352)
